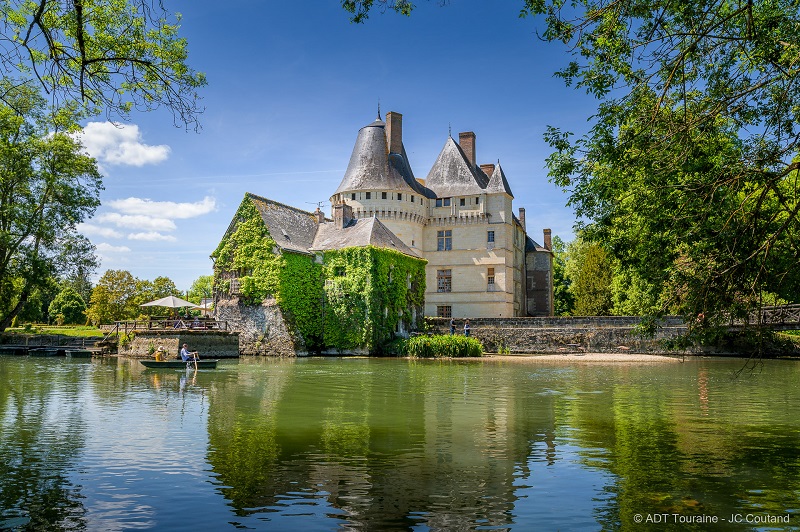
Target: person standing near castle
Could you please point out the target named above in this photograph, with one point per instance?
(466, 327)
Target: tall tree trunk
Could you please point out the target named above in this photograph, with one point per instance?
(5, 322)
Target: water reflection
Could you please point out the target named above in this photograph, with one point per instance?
(390, 444)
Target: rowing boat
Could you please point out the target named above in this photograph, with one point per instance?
(206, 364)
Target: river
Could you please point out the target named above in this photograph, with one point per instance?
(387, 444)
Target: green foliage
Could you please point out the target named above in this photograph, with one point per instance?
(48, 185)
(688, 176)
(150, 291)
(114, 298)
(202, 288)
(300, 296)
(563, 300)
(113, 56)
(589, 270)
(440, 346)
(354, 299)
(360, 8)
(118, 296)
(377, 291)
(69, 305)
(248, 251)
(125, 339)
(80, 331)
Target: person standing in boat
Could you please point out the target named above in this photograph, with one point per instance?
(187, 355)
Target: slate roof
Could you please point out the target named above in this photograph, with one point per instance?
(358, 233)
(370, 168)
(453, 175)
(498, 181)
(531, 245)
(292, 229)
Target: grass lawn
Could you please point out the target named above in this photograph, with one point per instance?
(80, 331)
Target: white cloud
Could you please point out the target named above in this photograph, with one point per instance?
(118, 144)
(91, 229)
(137, 221)
(164, 209)
(104, 247)
(152, 236)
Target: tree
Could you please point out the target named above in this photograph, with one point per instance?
(114, 298)
(68, 307)
(112, 56)
(589, 270)
(152, 290)
(564, 301)
(77, 263)
(202, 288)
(47, 187)
(688, 175)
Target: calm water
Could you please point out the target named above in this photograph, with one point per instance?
(373, 444)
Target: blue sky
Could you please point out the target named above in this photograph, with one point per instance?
(290, 84)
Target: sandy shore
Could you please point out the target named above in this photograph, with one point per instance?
(586, 357)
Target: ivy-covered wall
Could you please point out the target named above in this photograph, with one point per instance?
(353, 299)
(370, 294)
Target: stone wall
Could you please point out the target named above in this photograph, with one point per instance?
(560, 334)
(262, 328)
(210, 344)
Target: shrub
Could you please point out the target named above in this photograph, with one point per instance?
(441, 346)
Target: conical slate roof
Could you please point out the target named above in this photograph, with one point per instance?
(369, 167)
(498, 181)
(453, 175)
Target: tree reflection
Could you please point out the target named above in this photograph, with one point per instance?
(40, 436)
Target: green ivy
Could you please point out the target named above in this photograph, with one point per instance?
(354, 299)
(440, 346)
(363, 306)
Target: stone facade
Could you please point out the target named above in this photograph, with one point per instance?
(481, 261)
(262, 328)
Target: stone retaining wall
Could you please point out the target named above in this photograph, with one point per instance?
(208, 344)
(564, 334)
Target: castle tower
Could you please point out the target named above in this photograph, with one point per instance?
(379, 182)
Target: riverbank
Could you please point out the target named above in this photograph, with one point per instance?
(629, 358)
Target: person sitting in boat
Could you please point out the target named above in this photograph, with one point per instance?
(187, 355)
(161, 353)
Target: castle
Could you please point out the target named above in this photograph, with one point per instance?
(397, 248)
(481, 261)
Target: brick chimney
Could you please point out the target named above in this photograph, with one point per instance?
(320, 216)
(521, 217)
(488, 169)
(342, 214)
(467, 142)
(548, 241)
(394, 132)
